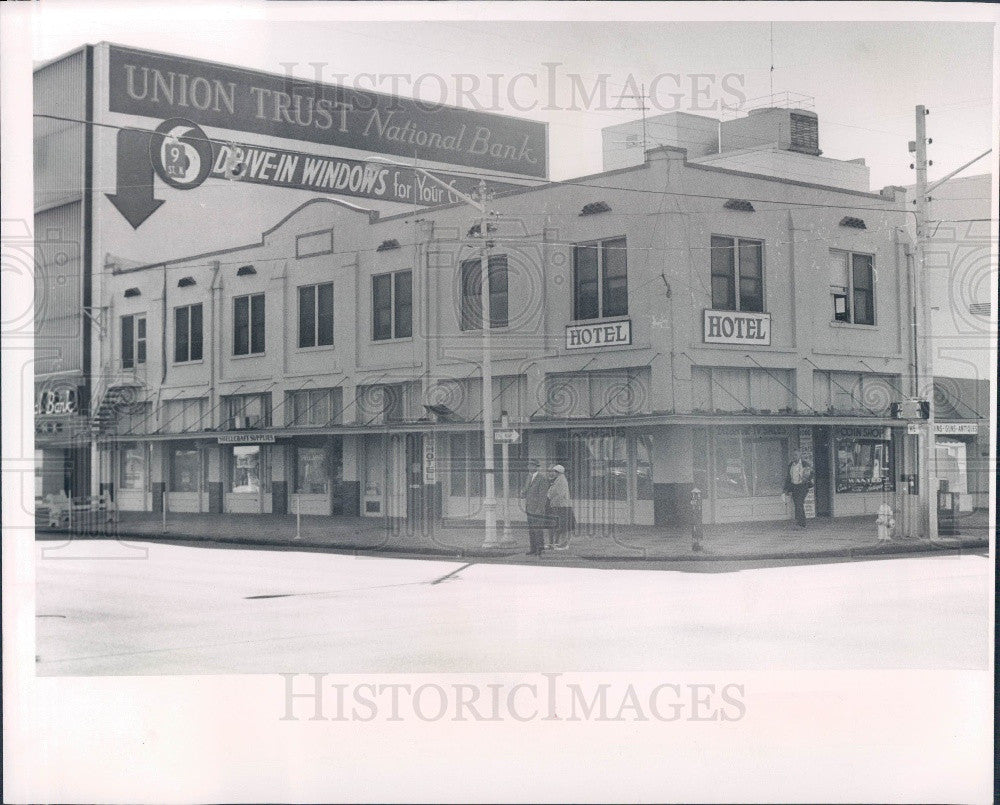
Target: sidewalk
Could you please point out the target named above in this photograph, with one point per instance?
(841, 538)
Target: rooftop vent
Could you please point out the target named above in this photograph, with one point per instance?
(804, 133)
(595, 207)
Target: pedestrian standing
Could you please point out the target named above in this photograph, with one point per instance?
(536, 498)
(559, 507)
(798, 482)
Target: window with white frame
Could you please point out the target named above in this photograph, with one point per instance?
(187, 333)
(316, 315)
(248, 324)
(133, 331)
(737, 274)
(392, 305)
(600, 279)
(852, 287)
(471, 317)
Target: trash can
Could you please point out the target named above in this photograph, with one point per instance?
(947, 510)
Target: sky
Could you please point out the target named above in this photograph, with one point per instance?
(863, 79)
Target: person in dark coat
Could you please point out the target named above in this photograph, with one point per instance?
(536, 498)
(798, 482)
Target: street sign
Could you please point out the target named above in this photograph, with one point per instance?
(947, 428)
(506, 436)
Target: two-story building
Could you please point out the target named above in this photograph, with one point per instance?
(656, 328)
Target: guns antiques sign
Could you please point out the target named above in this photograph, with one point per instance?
(235, 98)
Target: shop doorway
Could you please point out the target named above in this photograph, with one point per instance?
(823, 480)
(415, 478)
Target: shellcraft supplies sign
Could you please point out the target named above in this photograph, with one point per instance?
(247, 438)
(605, 334)
(734, 327)
(162, 86)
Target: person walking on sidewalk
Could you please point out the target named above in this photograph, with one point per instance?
(559, 507)
(798, 482)
(536, 498)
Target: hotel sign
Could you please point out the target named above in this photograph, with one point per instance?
(607, 334)
(734, 327)
(291, 107)
(247, 438)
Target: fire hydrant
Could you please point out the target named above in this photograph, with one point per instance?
(696, 516)
(885, 522)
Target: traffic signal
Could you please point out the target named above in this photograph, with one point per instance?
(910, 409)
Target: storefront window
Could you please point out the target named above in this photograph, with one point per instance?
(643, 467)
(465, 467)
(596, 465)
(748, 465)
(732, 470)
(184, 470)
(246, 469)
(311, 471)
(133, 468)
(864, 465)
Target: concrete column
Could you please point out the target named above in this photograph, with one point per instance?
(279, 478)
(214, 478)
(159, 456)
(350, 492)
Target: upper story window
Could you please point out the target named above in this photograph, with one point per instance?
(472, 299)
(316, 315)
(737, 274)
(247, 411)
(392, 305)
(187, 333)
(313, 407)
(600, 279)
(133, 340)
(852, 287)
(248, 324)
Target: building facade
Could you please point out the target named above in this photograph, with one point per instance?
(657, 329)
(299, 330)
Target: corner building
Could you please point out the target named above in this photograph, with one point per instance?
(657, 328)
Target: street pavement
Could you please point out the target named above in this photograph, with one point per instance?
(104, 607)
(824, 537)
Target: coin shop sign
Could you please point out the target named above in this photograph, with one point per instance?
(164, 87)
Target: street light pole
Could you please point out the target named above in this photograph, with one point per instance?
(927, 451)
(490, 538)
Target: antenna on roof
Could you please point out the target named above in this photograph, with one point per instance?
(641, 97)
(772, 64)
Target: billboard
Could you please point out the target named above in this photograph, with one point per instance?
(162, 86)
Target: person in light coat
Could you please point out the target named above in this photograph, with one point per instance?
(560, 508)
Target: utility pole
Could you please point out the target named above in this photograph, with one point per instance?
(490, 538)
(928, 474)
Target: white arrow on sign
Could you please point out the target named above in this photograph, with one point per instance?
(506, 436)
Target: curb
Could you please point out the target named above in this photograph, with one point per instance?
(641, 555)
